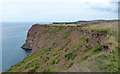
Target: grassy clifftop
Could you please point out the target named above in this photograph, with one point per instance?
(78, 48)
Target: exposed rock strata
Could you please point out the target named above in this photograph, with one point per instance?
(36, 39)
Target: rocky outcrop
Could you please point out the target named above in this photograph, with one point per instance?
(33, 37)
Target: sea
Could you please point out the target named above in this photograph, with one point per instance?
(13, 37)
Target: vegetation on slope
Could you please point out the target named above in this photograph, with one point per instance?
(91, 48)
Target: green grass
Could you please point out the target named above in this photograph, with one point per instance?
(69, 31)
(33, 69)
(109, 62)
(98, 48)
(88, 49)
(54, 30)
(69, 56)
(105, 27)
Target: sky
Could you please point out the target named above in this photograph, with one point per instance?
(57, 10)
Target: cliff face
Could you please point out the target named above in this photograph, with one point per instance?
(73, 48)
(38, 36)
(34, 38)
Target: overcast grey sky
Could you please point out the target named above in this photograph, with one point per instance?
(57, 10)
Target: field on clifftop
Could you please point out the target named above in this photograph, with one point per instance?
(83, 47)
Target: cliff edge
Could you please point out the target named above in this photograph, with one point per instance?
(71, 48)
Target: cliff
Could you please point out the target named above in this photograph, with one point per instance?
(42, 35)
(72, 48)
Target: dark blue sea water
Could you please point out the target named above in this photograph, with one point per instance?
(13, 37)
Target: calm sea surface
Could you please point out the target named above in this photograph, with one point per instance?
(13, 37)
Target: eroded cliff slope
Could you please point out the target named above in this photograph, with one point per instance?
(72, 48)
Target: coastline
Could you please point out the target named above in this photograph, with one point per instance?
(61, 47)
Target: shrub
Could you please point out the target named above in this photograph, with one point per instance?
(98, 48)
(89, 48)
(69, 56)
(46, 59)
(56, 61)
